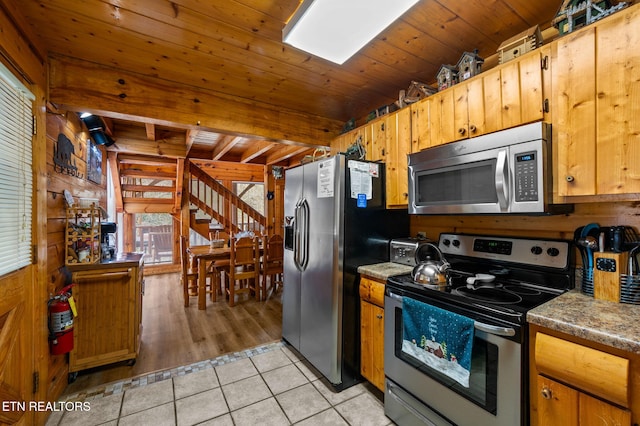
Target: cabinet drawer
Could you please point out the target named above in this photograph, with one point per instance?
(596, 372)
(372, 291)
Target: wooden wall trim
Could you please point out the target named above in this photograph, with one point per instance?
(76, 84)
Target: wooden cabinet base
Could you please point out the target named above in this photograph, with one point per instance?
(109, 304)
(372, 331)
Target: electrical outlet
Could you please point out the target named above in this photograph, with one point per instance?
(422, 234)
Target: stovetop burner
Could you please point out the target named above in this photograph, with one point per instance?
(495, 295)
(527, 273)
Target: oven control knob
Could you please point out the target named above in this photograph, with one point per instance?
(456, 243)
(446, 242)
(553, 252)
(536, 250)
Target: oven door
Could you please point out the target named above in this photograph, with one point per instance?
(494, 396)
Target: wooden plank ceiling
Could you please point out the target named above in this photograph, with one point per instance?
(251, 98)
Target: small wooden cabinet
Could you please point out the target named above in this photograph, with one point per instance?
(372, 331)
(575, 382)
(109, 302)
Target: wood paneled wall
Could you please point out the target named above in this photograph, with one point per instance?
(69, 125)
(555, 226)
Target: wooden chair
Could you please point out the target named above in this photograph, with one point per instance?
(190, 275)
(162, 244)
(272, 263)
(243, 273)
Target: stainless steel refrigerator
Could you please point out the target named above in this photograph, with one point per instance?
(335, 221)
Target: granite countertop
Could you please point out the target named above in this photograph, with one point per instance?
(609, 323)
(382, 271)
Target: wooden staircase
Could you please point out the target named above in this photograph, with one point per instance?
(146, 184)
(228, 212)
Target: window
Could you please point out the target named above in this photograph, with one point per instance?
(153, 235)
(16, 174)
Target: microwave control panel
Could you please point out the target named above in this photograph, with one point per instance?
(526, 176)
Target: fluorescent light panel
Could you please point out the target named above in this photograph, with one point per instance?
(336, 29)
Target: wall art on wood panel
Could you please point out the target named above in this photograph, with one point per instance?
(94, 163)
(63, 157)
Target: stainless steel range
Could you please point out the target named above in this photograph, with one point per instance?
(492, 281)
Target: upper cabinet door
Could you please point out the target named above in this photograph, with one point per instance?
(618, 103)
(596, 108)
(574, 113)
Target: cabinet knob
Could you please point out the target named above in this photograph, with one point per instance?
(472, 128)
(379, 316)
(569, 178)
(546, 393)
(462, 130)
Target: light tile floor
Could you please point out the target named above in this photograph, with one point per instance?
(268, 385)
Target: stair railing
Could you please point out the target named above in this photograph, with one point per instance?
(213, 198)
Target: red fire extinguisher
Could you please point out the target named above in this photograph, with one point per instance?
(61, 313)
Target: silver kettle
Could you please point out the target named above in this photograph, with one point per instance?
(432, 272)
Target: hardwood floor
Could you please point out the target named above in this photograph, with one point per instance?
(173, 335)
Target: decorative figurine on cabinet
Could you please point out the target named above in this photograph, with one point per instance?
(470, 64)
(447, 76)
(520, 44)
(574, 14)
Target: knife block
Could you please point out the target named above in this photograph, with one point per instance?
(607, 270)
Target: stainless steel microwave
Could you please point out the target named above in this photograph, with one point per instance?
(509, 171)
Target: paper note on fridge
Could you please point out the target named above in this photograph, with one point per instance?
(326, 179)
(362, 175)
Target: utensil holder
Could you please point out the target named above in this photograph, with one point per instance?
(630, 289)
(585, 277)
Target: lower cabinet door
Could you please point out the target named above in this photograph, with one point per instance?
(561, 405)
(372, 344)
(557, 404)
(595, 412)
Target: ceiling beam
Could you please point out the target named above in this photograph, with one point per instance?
(284, 153)
(151, 131)
(145, 159)
(190, 137)
(257, 149)
(224, 145)
(107, 91)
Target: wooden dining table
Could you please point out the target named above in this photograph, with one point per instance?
(201, 256)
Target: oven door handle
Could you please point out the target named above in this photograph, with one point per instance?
(491, 329)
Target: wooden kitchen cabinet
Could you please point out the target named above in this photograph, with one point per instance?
(376, 144)
(576, 382)
(398, 145)
(108, 297)
(372, 331)
(562, 405)
(595, 107)
(503, 97)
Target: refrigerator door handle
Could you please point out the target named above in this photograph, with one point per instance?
(304, 243)
(296, 236)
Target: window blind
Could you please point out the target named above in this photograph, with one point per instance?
(16, 173)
